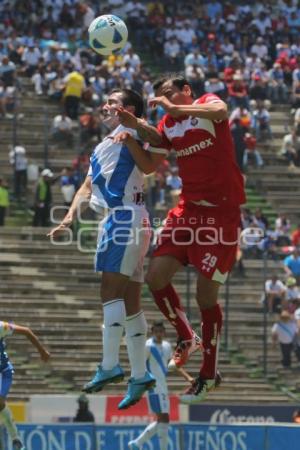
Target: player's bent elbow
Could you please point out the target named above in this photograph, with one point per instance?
(149, 169)
(221, 111)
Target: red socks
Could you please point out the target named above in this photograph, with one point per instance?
(169, 304)
(211, 328)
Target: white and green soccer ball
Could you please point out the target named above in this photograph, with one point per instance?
(107, 34)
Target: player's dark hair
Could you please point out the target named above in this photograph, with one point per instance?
(177, 80)
(131, 98)
(158, 323)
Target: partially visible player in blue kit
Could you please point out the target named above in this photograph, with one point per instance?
(6, 376)
(158, 354)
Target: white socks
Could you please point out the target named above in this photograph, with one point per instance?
(136, 334)
(113, 326)
(7, 420)
(162, 434)
(147, 434)
(159, 428)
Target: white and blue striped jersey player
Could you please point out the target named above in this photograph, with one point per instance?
(6, 368)
(117, 185)
(158, 356)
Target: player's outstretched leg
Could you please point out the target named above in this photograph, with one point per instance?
(209, 378)
(161, 269)
(141, 380)
(109, 370)
(154, 428)
(8, 422)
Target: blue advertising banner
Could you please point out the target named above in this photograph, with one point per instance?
(231, 414)
(181, 437)
(198, 437)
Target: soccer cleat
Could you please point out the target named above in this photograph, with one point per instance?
(133, 446)
(200, 387)
(103, 377)
(184, 350)
(136, 389)
(18, 445)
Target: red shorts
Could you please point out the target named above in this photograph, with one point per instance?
(205, 237)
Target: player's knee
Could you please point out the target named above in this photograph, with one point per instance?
(154, 280)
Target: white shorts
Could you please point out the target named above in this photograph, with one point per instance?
(123, 241)
(158, 401)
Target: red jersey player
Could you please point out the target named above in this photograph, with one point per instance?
(203, 228)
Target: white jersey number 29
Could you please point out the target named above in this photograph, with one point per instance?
(209, 260)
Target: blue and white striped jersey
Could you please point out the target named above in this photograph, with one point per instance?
(5, 330)
(158, 356)
(116, 180)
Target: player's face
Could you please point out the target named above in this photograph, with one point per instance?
(158, 334)
(111, 119)
(174, 94)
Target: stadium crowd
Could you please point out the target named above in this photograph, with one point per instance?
(246, 52)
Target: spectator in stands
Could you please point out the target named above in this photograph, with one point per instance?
(31, 57)
(282, 228)
(7, 71)
(291, 147)
(275, 294)
(296, 95)
(195, 76)
(251, 237)
(4, 201)
(43, 199)
(81, 165)
(292, 295)
(19, 163)
(83, 413)
(74, 87)
(39, 80)
(194, 58)
(172, 52)
(89, 126)
(278, 88)
(237, 91)
(260, 219)
(292, 265)
(261, 122)
(251, 149)
(297, 118)
(285, 332)
(295, 237)
(238, 134)
(69, 184)
(214, 85)
(258, 93)
(246, 218)
(2, 100)
(62, 129)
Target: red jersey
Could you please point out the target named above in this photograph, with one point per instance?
(205, 157)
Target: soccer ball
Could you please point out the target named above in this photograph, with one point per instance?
(107, 34)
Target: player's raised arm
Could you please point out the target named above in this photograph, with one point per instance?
(215, 109)
(26, 331)
(146, 132)
(80, 202)
(147, 161)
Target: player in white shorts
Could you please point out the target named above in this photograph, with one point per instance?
(158, 353)
(115, 183)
